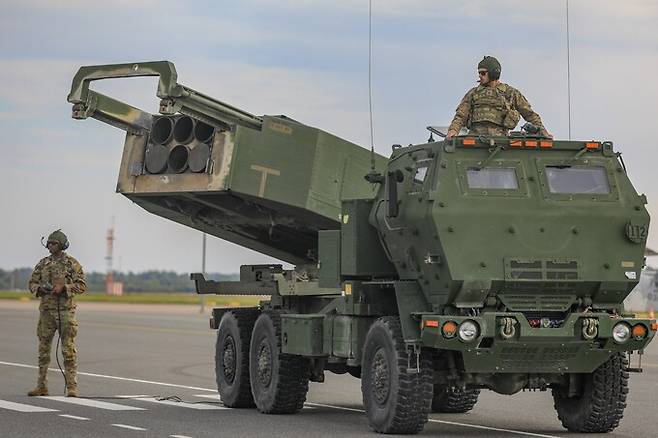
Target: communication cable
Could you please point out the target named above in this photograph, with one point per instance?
(59, 337)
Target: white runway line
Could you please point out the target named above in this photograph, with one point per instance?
(199, 406)
(74, 417)
(210, 396)
(431, 420)
(20, 407)
(473, 426)
(493, 429)
(320, 405)
(126, 426)
(93, 403)
(126, 379)
(180, 436)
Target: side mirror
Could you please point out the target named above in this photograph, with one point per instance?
(392, 180)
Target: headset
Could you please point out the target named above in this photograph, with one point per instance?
(494, 73)
(64, 245)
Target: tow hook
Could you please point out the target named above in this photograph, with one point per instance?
(507, 327)
(590, 328)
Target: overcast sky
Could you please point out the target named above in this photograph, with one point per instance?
(308, 60)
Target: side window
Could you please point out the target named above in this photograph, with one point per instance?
(492, 178)
(578, 180)
(505, 178)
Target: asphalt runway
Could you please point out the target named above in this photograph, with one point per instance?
(130, 355)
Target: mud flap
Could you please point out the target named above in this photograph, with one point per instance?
(410, 301)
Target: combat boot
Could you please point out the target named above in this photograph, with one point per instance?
(39, 390)
(71, 378)
(72, 391)
(42, 383)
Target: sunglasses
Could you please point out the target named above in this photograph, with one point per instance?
(482, 72)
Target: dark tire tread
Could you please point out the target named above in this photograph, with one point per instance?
(246, 318)
(292, 380)
(601, 406)
(453, 399)
(414, 395)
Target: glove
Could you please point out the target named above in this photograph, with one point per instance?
(44, 289)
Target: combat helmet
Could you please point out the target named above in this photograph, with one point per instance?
(60, 237)
(492, 65)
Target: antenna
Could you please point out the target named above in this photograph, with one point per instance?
(112, 287)
(568, 72)
(109, 258)
(372, 135)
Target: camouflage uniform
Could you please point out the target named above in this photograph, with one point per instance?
(56, 311)
(492, 110)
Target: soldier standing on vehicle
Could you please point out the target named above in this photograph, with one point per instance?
(56, 280)
(493, 108)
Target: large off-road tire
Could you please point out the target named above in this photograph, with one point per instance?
(454, 400)
(396, 400)
(600, 405)
(232, 357)
(279, 382)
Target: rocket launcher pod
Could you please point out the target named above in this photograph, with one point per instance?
(268, 183)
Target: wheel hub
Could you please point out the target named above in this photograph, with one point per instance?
(380, 377)
(229, 359)
(264, 363)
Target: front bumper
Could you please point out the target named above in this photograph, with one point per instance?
(534, 350)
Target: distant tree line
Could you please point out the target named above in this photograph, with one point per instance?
(148, 281)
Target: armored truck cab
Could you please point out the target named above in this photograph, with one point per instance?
(534, 242)
(453, 266)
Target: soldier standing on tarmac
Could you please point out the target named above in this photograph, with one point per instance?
(56, 280)
(493, 108)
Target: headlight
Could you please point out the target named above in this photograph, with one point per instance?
(621, 332)
(468, 330)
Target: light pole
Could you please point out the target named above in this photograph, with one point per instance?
(203, 271)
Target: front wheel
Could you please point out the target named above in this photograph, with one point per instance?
(600, 404)
(396, 399)
(279, 382)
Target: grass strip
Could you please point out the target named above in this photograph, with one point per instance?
(149, 298)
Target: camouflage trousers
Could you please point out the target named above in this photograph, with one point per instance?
(50, 321)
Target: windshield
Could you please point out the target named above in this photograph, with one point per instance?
(584, 180)
(492, 178)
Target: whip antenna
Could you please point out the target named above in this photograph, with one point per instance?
(372, 135)
(568, 73)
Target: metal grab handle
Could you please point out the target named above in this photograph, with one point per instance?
(174, 98)
(85, 75)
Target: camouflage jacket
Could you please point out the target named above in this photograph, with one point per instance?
(486, 105)
(63, 270)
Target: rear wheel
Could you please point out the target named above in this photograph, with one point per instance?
(600, 404)
(232, 357)
(396, 399)
(279, 382)
(454, 400)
